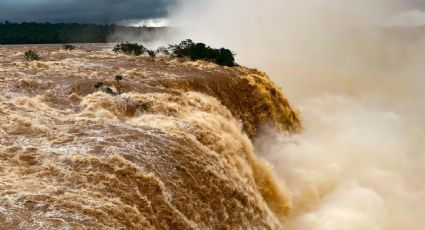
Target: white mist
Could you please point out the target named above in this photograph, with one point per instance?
(359, 163)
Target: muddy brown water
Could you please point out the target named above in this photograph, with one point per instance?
(173, 151)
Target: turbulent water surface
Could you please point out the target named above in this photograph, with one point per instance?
(172, 151)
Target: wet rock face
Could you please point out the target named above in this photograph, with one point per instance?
(173, 150)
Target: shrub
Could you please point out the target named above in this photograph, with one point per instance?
(99, 85)
(102, 87)
(162, 51)
(200, 51)
(31, 55)
(130, 49)
(68, 47)
(118, 78)
(151, 53)
(144, 107)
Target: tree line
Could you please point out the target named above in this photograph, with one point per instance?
(186, 49)
(60, 33)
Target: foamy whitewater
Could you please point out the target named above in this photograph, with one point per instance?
(173, 151)
(191, 145)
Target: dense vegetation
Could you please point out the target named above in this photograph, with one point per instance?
(186, 49)
(68, 47)
(130, 49)
(47, 33)
(200, 51)
(31, 55)
(63, 33)
(133, 49)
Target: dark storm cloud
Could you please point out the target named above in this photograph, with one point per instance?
(97, 11)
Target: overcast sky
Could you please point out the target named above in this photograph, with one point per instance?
(96, 11)
(142, 12)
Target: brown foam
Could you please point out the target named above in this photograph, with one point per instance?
(172, 151)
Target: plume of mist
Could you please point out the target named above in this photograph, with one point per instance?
(149, 37)
(354, 167)
(358, 164)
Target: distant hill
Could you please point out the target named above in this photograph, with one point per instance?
(47, 33)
